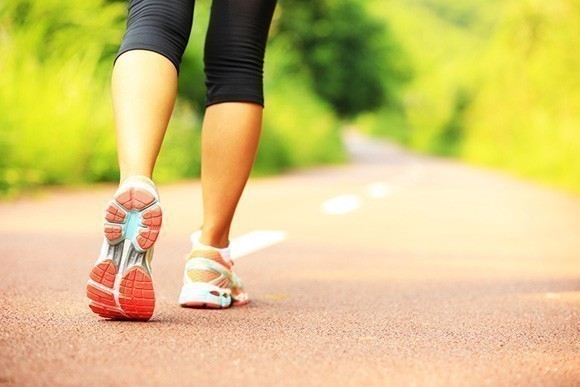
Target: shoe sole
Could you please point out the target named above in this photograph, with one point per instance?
(201, 295)
(120, 285)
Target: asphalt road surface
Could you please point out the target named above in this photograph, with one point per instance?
(395, 269)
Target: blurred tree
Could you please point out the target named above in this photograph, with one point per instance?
(352, 58)
(191, 78)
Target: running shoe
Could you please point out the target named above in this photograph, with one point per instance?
(209, 280)
(120, 285)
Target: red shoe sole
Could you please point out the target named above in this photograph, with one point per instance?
(136, 297)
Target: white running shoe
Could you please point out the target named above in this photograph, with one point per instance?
(209, 280)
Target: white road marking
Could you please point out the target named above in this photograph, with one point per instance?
(254, 241)
(378, 190)
(340, 205)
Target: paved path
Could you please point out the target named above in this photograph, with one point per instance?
(396, 269)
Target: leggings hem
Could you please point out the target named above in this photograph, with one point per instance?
(235, 98)
(146, 47)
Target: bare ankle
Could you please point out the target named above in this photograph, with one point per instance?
(215, 237)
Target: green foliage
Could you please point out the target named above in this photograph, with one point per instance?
(351, 57)
(527, 114)
(441, 51)
(56, 124)
(489, 81)
(287, 141)
(180, 155)
(496, 83)
(53, 103)
(300, 129)
(191, 78)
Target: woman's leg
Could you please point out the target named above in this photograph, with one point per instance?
(144, 87)
(231, 132)
(144, 82)
(234, 57)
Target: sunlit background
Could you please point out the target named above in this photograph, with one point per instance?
(489, 81)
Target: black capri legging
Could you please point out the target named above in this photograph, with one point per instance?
(234, 47)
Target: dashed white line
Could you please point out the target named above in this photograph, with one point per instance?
(256, 240)
(344, 204)
(340, 205)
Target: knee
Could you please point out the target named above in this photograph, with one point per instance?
(158, 25)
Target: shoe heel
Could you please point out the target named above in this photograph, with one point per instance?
(136, 295)
(133, 214)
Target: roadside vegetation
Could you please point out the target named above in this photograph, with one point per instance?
(492, 82)
(495, 83)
